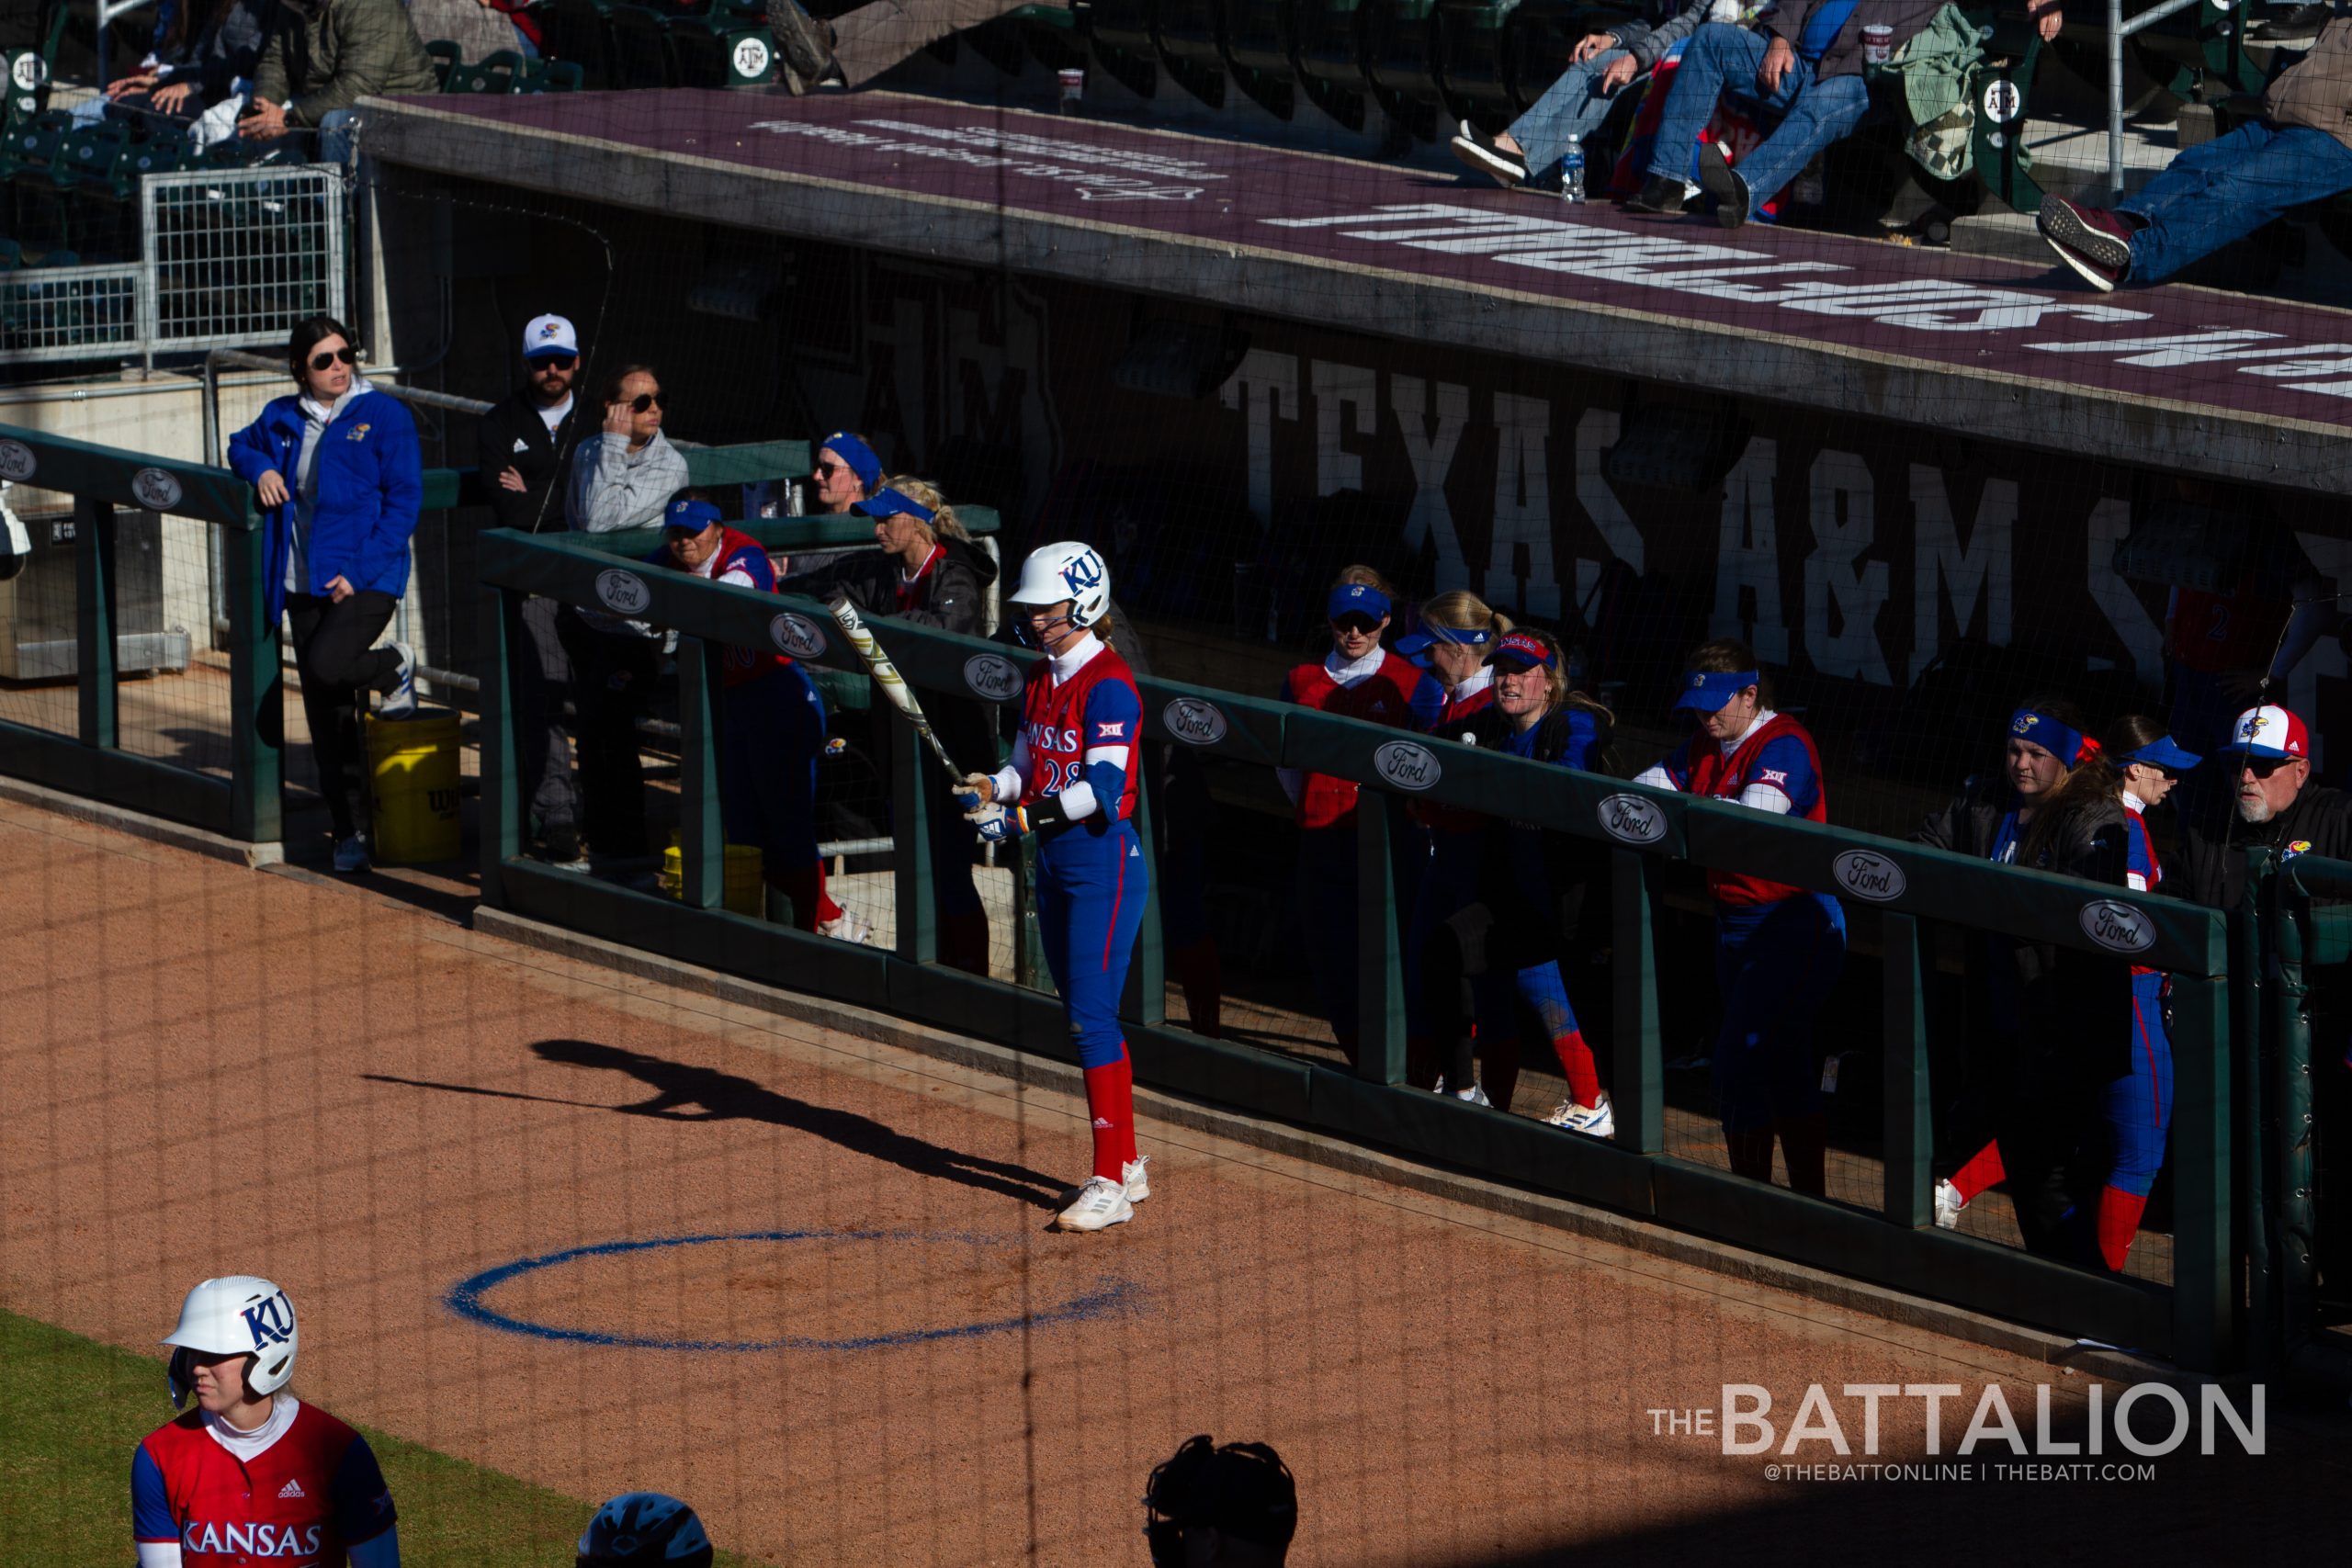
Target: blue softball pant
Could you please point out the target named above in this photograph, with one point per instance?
(1091, 888)
(770, 732)
(2138, 1106)
(1774, 966)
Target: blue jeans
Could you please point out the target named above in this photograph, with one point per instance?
(2224, 190)
(1721, 61)
(1571, 106)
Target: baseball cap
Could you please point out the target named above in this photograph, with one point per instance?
(1356, 599)
(852, 450)
(1523, 650)
(2271, 731)
(549, 335)
(1706, 691)
(888, 502)
(690, 517)
(2164, 752)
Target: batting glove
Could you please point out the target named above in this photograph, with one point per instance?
(998, 824)
(978, 790)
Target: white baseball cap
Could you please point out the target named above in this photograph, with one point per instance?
(549, 335)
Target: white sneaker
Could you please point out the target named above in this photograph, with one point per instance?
(1597, 1120)
(847, 927)
(351, 853)
(1949, 1203)
(401, 701)
(1137, 1180)
(1102, 1203)
(1475, 1095)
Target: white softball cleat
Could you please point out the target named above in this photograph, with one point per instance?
(1101, 1205)
(1475, 1095)
(1949, 1203)
(1137, 1180)
(846, 927)
(1598, 1119)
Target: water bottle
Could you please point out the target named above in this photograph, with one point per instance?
(1572, 170)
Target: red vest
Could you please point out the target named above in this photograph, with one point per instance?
(1713, 773)
(1384, 697)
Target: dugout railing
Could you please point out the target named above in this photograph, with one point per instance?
(2306, 943)
(1889, 1243)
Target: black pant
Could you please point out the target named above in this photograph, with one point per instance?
(612, 683)
(542, 679)
(334, 652)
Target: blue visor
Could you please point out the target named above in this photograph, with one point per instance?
(1706, 691)
(892, 503)
(2161, 752)
(690, 517)
(1357, 599)
(1417, 646)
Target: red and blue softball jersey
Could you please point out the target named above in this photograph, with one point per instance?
(304, 1492)
(1391, 689)
(1775, 755)
(1097, 708)
(739, 560)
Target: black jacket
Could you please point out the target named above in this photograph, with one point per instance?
(2090, 842)
(514, 436)
(2213, 840)
(954, 599)
(1522, 936)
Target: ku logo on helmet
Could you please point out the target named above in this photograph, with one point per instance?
(270, 1322)
(1082, 572)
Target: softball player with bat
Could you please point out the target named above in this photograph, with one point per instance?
(1071, 781)
(252, 1473)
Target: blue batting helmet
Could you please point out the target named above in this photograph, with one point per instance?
(646, 1529)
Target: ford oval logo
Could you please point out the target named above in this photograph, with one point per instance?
(623, 593)
(992, 676)
(1632, 818)
(2117, 927)
(1866, 873)
(157, 489)
(798, 636)
(1194, 722)
(1407, 764)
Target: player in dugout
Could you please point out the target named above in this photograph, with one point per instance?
(1777, 949)
(252, 1473)
(1359, 679)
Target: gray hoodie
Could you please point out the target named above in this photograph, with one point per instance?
(613, 488)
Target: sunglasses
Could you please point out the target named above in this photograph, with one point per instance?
(1357, 624)
(645, 400)
(2263, 767)
(554, 362)
(325, 358)
(829, 469)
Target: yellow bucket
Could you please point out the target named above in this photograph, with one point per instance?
(746, 889)
(412, 777)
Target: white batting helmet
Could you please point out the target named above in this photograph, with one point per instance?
(223, 1318)
(1067, 570)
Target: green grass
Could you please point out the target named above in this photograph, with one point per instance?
(72, 1410)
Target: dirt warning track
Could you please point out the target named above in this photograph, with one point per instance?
(603, 1236)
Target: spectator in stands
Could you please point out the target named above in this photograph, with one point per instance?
(1235, 1506)
(857, 46)
(1359, 679)
(2299, 151)
(202, 50)
(2273, 804)
(772, 724)
(323, 57)
(1573, 107)
(924, 568)
(1779, 949)
(337, 466)
(2053, 805)
(1506, 941)
(520, 448)
(1802, 65)
(625, 474)
(2098, 1101)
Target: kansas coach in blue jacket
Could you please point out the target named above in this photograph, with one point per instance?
(337, 466)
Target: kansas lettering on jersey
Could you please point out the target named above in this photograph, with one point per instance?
(1099, 705)
(1400, 692)
(738, 552)
(301, 1503)
(1777, 753)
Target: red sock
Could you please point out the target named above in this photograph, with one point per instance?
(1111, 1101)
(1804, 1144)
(2118, 1223)
(1576, 1063)
(1983, 1170)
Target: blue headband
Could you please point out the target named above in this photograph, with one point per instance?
(860, 458)
(888, 502)
(694, 515)
(1357, 599)
(1706, 691)
(2061, 741)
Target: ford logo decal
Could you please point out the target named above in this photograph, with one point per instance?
(623, 593)
(992, 676)
(2117, 927)
(798, 636)
(1866, 873)
(1193, 721)
(1407, 764)
(1632, 818)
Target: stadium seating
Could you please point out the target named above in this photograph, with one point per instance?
(1400, 61)
(1261, 49)
(1192, 47)
(446, 56)
(579, 32)
(1329, 56)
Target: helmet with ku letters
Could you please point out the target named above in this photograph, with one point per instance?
(650, 1528)
(1067, 570)
(224, 1316)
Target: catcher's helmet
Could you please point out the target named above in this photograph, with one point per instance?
(647, 1530)
(1067, 570)
(236, 1313)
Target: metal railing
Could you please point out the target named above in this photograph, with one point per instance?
(70, 313)
(2119, 30)
(238, 256)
